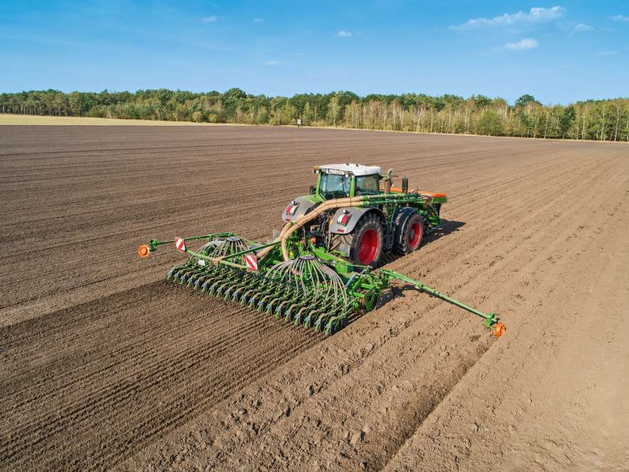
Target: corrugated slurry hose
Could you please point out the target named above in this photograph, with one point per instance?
(290, 227)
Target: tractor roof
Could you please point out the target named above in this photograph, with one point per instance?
(356, 169)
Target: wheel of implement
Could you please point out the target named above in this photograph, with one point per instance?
(410, 236)
(366, 242)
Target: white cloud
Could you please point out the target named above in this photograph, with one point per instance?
(534, 15)
(258, 20)
(272, 63)
(523, 45)
(344, 34)
(209, 19)
(620, 18)
(582, 28)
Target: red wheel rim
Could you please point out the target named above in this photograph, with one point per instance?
(368, 247)
(415, 235)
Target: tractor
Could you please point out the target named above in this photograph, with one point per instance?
(364, 234)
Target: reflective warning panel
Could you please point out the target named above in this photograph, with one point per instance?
(252, 261)
(180, 244)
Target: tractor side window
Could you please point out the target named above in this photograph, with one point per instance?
(334, 185)
(368, 185)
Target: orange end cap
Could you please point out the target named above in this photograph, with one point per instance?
(144, 251)
(499, 329)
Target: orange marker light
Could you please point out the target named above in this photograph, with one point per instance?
(144, 251)
(499, 330)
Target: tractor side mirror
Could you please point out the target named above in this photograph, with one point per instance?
(313, 189)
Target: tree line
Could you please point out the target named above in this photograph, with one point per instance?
(602, 120)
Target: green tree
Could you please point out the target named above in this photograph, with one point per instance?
(490, 123)
(481, 101)
(307, 115)
(78, 104)
(567, 119)
(524, 100)
(334, 110)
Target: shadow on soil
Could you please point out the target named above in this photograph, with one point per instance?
(446, 228)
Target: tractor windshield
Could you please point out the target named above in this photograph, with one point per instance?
(334, 185)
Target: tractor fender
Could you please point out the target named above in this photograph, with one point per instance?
(298, 208)
(356, 213)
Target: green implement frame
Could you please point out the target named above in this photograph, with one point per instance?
(298, 289)
(490, 318)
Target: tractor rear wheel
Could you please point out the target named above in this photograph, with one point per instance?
(366, 242)
(410, 236)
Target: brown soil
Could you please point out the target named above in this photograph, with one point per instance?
(104, 365)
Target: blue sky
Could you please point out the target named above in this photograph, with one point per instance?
(559, 52)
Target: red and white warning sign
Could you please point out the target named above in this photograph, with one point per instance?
(252, 261)
(180, 244)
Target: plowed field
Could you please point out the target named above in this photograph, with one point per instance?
(103, 365)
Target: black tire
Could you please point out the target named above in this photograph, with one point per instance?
(410, 235)
(364, 249)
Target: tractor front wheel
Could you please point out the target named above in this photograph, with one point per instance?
(411, 235)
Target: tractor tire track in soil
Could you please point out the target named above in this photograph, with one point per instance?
(104, 364)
